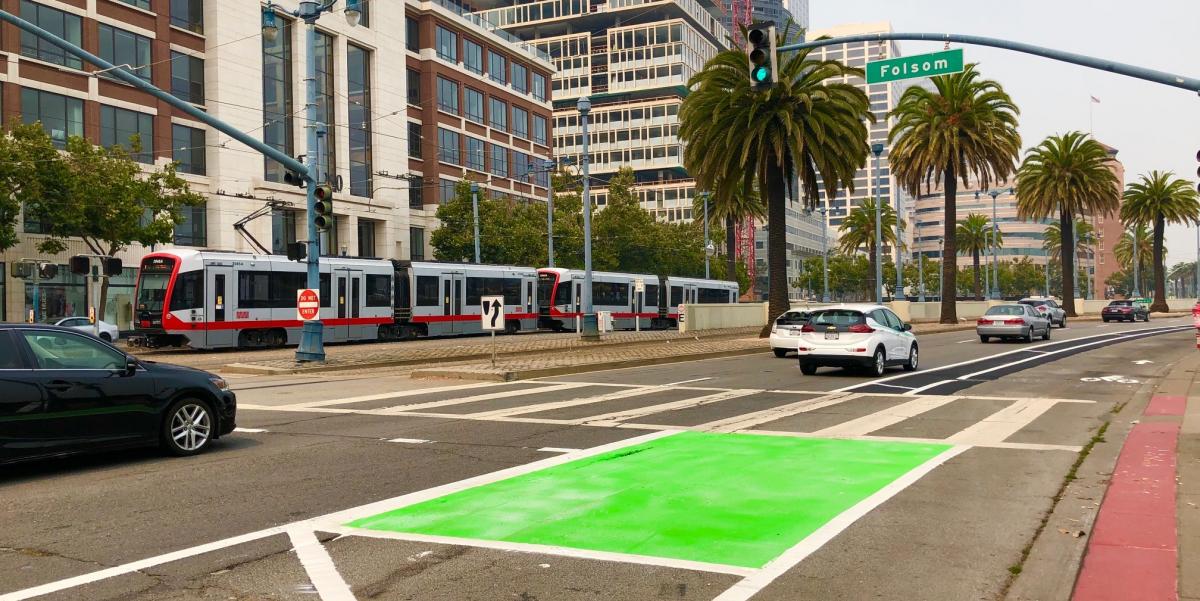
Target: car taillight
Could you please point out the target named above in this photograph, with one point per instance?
(1014, 322)
(807, 328)
(982, 322)
(861, 328)
(1041, 308)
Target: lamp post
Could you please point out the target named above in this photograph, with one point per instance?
(548, 166)
(475, 216)
(311, 345)
(995, 294)
(824, 255)
(919, 257)
(877, 149)
(1048, 274)
(941, 266)
(1137, 293)
(707, 244)
(590, 328)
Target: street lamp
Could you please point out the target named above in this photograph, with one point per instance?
(708, 247)
(475, 216)
(995, 244)
(311, 345)
(877, 149)
(1137, 293)
(824, 254)
(919, 257)
(942, 267)
(590, 329)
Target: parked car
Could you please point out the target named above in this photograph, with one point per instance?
(1012, 321)
(65, 392)
(1048, 308)
(785, 333)
(864, 336)
(108, 332)
(1125, 310)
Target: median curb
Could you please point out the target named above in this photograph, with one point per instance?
(501, 374)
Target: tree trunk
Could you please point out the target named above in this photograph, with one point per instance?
(950, 249)
(975, 258)
(1160, 283)
(1065, 221)
(773, 184)
(731, 249)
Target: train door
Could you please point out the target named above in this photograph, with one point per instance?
(459, 325)
(218, 308)
(348, 286)
(355, 298)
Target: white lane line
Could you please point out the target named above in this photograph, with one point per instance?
(249, 430)
(409, 440)
(331, 520)
(665, 562)
(557, 450)
(895, 386)
(397, 394)
(616, 417)
(852, 387)
(749, 420)
(916, 391)
(322, 573)
(1141, 334)
(1020, 446)
(751, 585)
(998, 426)
(481, 397)
(964, 341)
(882, 419)
(682, 382)
(535, 408)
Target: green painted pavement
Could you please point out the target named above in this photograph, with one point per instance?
(733, 499)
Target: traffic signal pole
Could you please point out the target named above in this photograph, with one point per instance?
(311, 347)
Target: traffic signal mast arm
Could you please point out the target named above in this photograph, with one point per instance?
(1161, 77)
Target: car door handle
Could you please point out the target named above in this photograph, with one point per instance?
(59, 386)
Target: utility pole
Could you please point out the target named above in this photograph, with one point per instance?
(824, 254)
(896, 247)
(707, 254)
(995, 292)
(475, 217)
(919, 257)
(590, 328)
(877, 149)
(1137, 293)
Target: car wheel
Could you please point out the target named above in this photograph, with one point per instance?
(878, 363)
(1106, 320)
(1063, 323)
(808, 369)
(1028, 335)
(105, 337)
(911, 365)
(188, 427)
(1046, 334)
(780, 352)
(984, 339)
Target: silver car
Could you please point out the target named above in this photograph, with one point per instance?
(1047, 308)
(1012, 321)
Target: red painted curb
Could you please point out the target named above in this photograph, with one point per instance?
(1133, 550)
(1162, 404)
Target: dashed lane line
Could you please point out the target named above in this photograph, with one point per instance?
(410, 440)
(249, 430)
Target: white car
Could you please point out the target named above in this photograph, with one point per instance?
(864, 336)
(785, 332)
(108, 332)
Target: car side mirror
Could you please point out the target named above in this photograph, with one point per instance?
(906, 327)
(131, 366)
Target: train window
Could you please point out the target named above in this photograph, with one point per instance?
(676, 296)
(509, 288)
(427, 291)
(610, 293)
(651, 298)
(713, 295)
(284, 286)
(326, 290)
(188, 292)
(379, 288)
(562, 294)
(512, 292)
(254, 290)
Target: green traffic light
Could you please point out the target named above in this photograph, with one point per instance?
(760, 74)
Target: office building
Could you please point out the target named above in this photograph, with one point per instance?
(1109, 231)
(777, 11)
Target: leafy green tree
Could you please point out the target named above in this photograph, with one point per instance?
(858, 231)
(624, 235)
(1021, 277)
(731, 210)
(1068, 175)
(1145, 254)
(974, 236)
(965, 126)
(1157, 199)
(32, 172)
(811, 124)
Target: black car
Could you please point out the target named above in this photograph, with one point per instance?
(64, 392)
(1123, 310)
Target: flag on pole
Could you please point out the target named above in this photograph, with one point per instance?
(1095, 100)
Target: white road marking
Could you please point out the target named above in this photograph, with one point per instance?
(535, 408)
(1020, 446)
(249, 430)
(322, 573)
(751, 585)
(397, 394)
(409, 440)
(895, 386)
(916, 391)
(1142, 362)
(998, 426)
(886, 417)
(964, 341)
(749, 420)
(1139, 334)
(616, 417)
(557, 450)
(681, 382)
(481, 397)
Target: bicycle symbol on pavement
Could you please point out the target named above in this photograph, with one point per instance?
(1114, 379)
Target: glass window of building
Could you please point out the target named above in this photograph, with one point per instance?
(283, 230)
(187, 148)
(498, 114)
(187, 77)
(539, 129)
(473, 56)
(61, 116)
(474, 100)
(446, 190)
(414, 87)
(326, 110)
(499, 160)
(474, 153)
(539, 87)
(63, 24)
(448, 147)
(497, 67)
(412, 35)
(520, 122)
(366, 237)
(142, 4)
(65, 295)
(416, 243)
(358, 75)
(414, 140)
(118, 127)
(447, 44)
(520, 77)
(447, 90)
(192, 227)
(121, 47)
(188, 14)
(416, 192)
(277, 99)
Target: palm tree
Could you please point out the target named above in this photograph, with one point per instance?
(974, 236)
(1070, 175)
(1145, 252)
(858, 231)
(810, 124)
(1158, 199)
(733, 209)
(965, 126)
(1084, 236)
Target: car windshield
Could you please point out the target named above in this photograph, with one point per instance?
(1033, 303)
(792, 318)
(1006, 310)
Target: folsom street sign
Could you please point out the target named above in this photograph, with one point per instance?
(912, 67)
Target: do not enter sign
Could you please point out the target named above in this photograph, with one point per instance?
(308, 304)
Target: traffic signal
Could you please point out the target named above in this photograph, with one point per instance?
(293, 178)
(80, 265)
(112, 267)
(22, 271)
(297, 251)
(48, 271)
(323, 209)
(760, 49)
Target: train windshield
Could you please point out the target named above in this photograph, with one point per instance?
(545, 287)
(152, 285)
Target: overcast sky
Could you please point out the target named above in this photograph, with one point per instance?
(1153, 126)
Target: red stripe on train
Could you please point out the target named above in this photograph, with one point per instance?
(445, 318)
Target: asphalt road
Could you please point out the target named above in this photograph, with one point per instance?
(905, 494)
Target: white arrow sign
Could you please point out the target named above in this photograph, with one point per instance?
(1142, 362)
(1116, 379)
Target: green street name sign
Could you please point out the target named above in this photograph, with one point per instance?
(912, 67)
